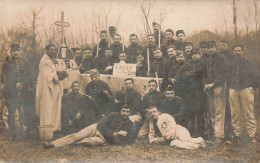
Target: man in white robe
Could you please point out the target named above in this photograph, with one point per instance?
(163, 129)
(49, 90)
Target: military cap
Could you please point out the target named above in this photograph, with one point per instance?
(15, 46)
(179, 31)
(94, 73)
(203, 44)
(155, 23)
(169, 30)
(212, 43)
(194, 51)
(112, 28)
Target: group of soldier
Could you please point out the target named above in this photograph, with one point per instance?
(204, 90)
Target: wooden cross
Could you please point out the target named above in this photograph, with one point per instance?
(63, 25)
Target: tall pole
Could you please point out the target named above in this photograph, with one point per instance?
(235, 18)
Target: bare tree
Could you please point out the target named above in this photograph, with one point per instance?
(145, 15)
(247, 17)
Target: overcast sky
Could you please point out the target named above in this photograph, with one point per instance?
(189, 15)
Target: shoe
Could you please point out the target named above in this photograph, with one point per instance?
(47, 145)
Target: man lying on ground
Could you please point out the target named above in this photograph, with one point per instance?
(163, 129)
(115, 128)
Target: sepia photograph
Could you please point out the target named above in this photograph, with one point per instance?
(129, 81)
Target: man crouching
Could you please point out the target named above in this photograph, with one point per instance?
(163, 129)
(115, 128)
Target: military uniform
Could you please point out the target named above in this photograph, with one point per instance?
(160, 66)
(152, 99)
(228, 126)
(117, 48)
(95, 90)
(13, 72)
(181, 46)
(156, 36)
(142, 69)
(103, 45)
(132, 52)
(165, 45)
(151, 50)
(175, 108)
(130, 97)
(176, 73)
(243, 80)
(195, 97)
(74, 103)
(104, 63)
(216, 73)
(102, 132)
(88, 64)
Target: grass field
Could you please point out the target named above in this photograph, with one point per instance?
(32, 151)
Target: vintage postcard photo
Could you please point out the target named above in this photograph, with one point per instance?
(129, 80)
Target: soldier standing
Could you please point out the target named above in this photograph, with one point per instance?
(134, 49)
(243, 80)
(223, 49)
(215, 88)
(181, 40)
(117, 47)
(169, 41)
(157, 33)
(100, 48)
(13, 78)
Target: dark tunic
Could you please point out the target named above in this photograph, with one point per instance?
(142, 70)
(104, 63)
(160, 66)
(181, 46)
(165, 45)
(117, 48)
(156, 36)
(176, 73)
(132, 98)
(229, 59)
(151, 55)
(216, 69)
(114, 122)
(13, 71)
(175, 108)
(72, 104)
(243, 74)
(95, 90)
(151, 99)
(102, 49)
(195, 97)
(132, 52)
(88, 64)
